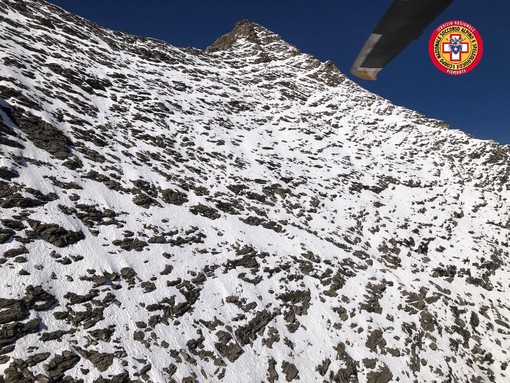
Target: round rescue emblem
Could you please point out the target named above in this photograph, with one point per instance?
(455, 47)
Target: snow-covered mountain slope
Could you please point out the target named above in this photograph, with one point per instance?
(244, 214)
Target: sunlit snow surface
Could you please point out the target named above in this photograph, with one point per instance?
(249, 214)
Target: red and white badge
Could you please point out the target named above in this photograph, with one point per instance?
(455, 47)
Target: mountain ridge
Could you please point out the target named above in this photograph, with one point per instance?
(246, 212)
(256, 35)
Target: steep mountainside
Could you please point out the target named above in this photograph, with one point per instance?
(244, 214)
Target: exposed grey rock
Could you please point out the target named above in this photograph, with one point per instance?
(127, 273)
(168, 270)
(157, 239)
(36, 298)
(55, 335)
(375, 341)
(349, 371)
(273, 337)
(110, 183)
(123, 377)
(248, 333)
(5, 235)
(130, 244)
(12, 310)
(174, 197)
(103, 334)
(11, 332)
(290, 371)
(12, 253)
(78, 299)
(8, 174)
(383, 375)
(63, 184)
(59, 364)
(248, 260)
(92, 216)
(55, 234)
(35, 359)
(227, 347)
(18, 200)
(205, 211)
(13, 224)
(148, 286)
(299, 301)
(44, 135)
(372, 302)
(323, 367)
(17, 372)
(247, 30)
(102, 361)
(144, 200)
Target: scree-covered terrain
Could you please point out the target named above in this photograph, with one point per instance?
(241, 214)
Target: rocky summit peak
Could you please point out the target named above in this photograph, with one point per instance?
(248, 37)
(244, 29)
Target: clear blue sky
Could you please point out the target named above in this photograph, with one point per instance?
(477, 102)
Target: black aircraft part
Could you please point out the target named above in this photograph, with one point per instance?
(402, 23)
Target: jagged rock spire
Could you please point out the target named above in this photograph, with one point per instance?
(242, 29)
(249, 42)
(248, 38)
